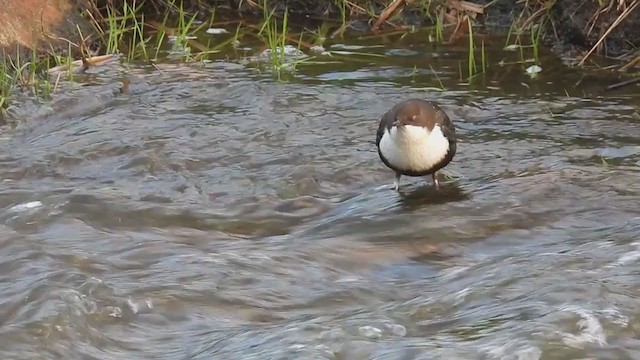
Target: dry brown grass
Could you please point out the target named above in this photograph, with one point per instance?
(625, 7)
(601, 17)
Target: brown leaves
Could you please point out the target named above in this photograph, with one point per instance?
(460, 12)
(456, 12)
(391, 8)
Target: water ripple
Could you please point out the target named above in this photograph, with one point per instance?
(213, 213)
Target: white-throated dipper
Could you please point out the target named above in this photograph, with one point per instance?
(416, 138)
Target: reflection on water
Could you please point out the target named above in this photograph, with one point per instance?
(428, 195)
(211, 212)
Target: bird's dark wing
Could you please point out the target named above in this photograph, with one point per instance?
(446, 125)
(385, 123)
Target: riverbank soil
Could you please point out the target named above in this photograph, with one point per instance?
(582, 25)
(606, 27)
(579, 23)
(52, 26)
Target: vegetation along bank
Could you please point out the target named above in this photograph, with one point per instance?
(39, 35)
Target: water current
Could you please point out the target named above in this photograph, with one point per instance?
(214, 212)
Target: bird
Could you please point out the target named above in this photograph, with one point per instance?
(416, 138)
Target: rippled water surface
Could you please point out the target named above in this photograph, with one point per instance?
(212, 212)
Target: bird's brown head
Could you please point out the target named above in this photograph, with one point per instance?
(418, 113)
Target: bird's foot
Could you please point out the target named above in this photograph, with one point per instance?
(396, 184)
(436, 183)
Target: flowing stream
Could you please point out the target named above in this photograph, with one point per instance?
(213, 212)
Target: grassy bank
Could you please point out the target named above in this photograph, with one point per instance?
(149, 31)
(590, 28)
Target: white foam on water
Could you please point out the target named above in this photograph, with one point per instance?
(397, 329)
(518, 349)
(370, 332)
(114, 311)
(461, 295)
(133, 306)
(26, 206)
(629, 257)
(324, 350)
(450, 273)
(592, 331)
(616, 317)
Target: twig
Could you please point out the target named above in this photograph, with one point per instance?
(388, 12)
(534, 16)
(594, 18)
(355, 7)
(619, 19)
(459, 29)
(622, 84)
(472, 7)
(80, 64)
(631, 64)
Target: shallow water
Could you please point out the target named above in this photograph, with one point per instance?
(214, 212)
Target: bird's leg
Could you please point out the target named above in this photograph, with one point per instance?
(396, 184)
(435, 181)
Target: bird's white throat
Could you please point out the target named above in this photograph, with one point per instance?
(414, 147)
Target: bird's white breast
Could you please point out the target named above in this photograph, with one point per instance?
(414, 147)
